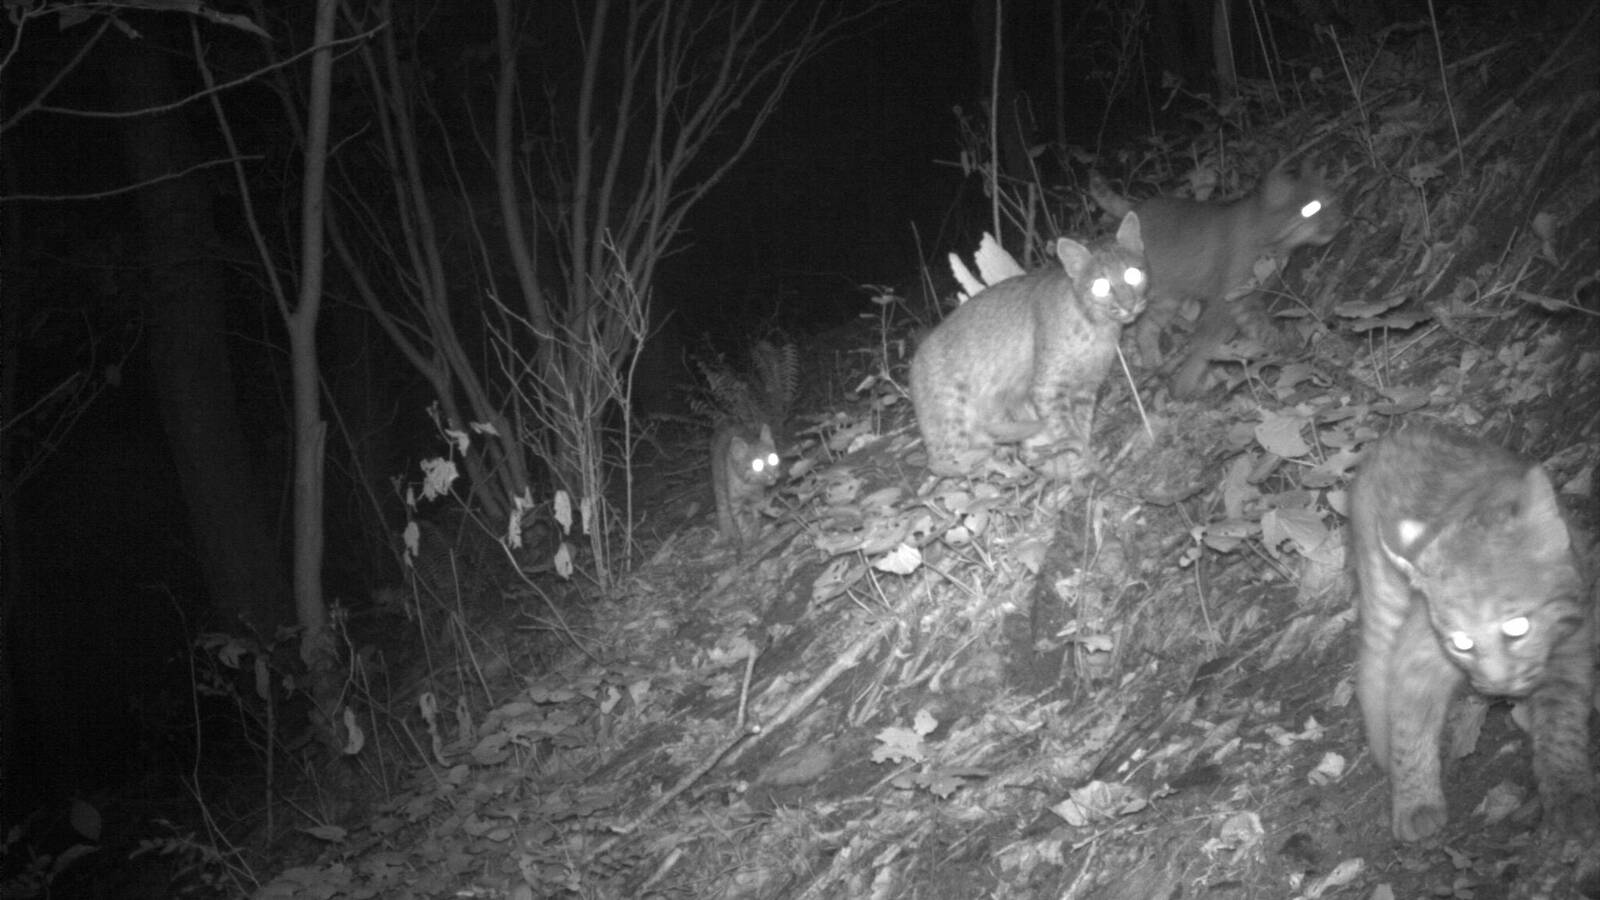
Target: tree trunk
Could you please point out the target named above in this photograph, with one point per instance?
(311, 610)
(187, 341)
(1222, 50)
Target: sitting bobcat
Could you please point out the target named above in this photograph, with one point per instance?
(1023, 360)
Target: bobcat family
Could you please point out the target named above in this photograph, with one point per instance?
(1467, 572)
(1205, 251)
(1023, 360)
(744, 463)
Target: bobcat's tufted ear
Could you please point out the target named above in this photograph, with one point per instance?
(1129, 236)
(1541, 513)
(766, 433)
(1278, 188)
(1410, 533)
(1074, 257)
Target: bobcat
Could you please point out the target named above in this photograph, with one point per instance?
(744, 463)
(1023, 359)
(1205, 251)
(1466, 571)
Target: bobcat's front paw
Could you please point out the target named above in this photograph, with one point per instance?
(1417, 820)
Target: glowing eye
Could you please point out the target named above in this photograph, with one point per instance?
(1134, 277)
(1461, 642)
(1310, 209)
(1515, 628)
(772, 460)
(1100, 287)
(756, 465)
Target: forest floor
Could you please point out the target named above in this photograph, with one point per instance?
(1137, 687)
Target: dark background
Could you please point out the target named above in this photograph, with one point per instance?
(102, 590)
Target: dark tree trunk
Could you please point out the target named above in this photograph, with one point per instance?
(187, 342)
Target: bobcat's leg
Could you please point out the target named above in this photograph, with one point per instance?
(1159, 314)
(1559, 727)
(1422, 684)
(1068, 414)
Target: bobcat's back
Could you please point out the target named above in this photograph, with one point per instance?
(1206, 251)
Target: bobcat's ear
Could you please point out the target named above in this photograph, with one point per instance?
(1542, 513)
(738, 446)
(1410, 533)
(1128, 234)
(1278, 187)
(1074, 256)
(766, 433)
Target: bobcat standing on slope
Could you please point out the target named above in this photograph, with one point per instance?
(1205, 251)
(1466, 571)
(744, 463)
(749, 412)
(1024, 358)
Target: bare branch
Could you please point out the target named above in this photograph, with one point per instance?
(37, 103)
(247, 78)
(127, 188)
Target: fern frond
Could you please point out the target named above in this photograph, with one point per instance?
(725, 396)
(777, 370)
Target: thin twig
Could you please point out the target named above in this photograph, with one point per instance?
(1444, 83)
(1134, 390)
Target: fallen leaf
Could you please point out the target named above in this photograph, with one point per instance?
(1280, 434)
(1329, 769)
(1031, 553)
(899, 744)
(1501, 801)
(902, 560)
(1346, 871)
(837, 578)
(1422, 173)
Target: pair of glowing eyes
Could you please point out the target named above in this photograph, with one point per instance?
(1132, 276)
(762, 463)
(1511, 628)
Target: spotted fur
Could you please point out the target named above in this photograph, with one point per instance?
(1024, 359)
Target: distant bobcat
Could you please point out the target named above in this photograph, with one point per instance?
(744, 463)
(1023, 360)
